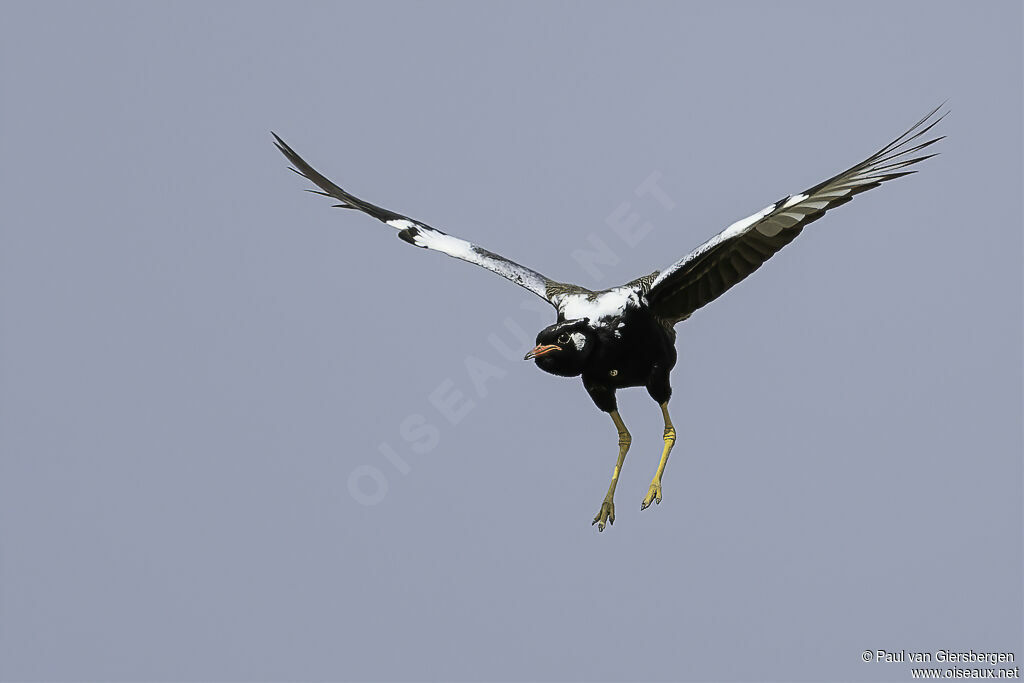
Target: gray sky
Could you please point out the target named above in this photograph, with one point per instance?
(197, 356)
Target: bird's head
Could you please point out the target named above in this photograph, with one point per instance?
(563, 348)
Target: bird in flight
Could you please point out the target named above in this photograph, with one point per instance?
(625, 336)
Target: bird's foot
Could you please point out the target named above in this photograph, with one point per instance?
(653, 495)
(606, 515)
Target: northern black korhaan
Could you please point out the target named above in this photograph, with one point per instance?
(624, 336)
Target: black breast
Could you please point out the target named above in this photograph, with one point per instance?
(631, 349)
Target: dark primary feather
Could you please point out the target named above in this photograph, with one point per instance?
(329, 189)
(718, 264)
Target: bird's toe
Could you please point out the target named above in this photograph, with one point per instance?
(653, 495)
(605, 516)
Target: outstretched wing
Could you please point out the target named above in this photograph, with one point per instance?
(421, 234)
(725, 259)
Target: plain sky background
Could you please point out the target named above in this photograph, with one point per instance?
(195, 356)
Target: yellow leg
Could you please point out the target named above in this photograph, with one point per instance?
(654, 492)
(607, 513)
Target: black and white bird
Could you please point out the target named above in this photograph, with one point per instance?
(625, 336)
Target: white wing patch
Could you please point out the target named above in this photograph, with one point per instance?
(599, 306)
(429, 238)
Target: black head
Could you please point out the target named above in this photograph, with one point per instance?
(563, 348)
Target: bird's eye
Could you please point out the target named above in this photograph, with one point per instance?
(563, 338)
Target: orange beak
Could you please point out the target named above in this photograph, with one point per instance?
(541, 349)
